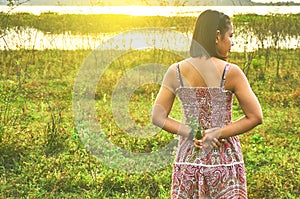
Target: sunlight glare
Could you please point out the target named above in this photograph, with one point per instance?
(140, 10)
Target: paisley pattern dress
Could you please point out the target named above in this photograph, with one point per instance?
(215, 173)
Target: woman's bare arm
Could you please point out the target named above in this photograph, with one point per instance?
(238, 83)
(163, 105)
(248, 102)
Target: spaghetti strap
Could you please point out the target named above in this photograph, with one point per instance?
(227, 67)
(179, 76)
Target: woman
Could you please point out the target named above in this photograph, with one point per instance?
(209, 165)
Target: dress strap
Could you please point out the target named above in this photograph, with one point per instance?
(227, 67)
(179, 76)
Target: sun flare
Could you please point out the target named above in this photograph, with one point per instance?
(138, 10)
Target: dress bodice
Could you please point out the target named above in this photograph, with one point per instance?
(207, 107)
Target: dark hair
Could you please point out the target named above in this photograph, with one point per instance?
(205, 33)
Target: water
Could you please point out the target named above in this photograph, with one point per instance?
(30, 38)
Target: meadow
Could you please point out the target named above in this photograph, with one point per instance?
(42, 154)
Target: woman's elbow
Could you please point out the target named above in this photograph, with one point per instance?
(156, 120)
(158, 116)
(259, 120)
(255, 120)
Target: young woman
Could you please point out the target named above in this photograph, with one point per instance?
(209, 162)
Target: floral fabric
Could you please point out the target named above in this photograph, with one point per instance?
(208, 174)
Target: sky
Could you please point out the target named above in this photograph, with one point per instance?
(151, 2)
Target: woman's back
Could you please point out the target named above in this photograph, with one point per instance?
(207, 107)
(202, 72)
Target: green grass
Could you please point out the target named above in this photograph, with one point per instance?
(42, 156)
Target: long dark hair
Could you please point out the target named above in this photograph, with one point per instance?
(205, 33)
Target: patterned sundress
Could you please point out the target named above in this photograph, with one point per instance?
(215, 173)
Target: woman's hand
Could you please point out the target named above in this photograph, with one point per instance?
(210, 139)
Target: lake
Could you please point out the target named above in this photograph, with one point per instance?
(30, 38)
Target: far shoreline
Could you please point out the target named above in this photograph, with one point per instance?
(169, 11)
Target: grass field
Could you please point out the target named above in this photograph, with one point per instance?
(42, 155)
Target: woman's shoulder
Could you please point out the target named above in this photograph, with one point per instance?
(176, 68)
(176, 64)
(234, 69)
(171, 70)
(235, 77)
